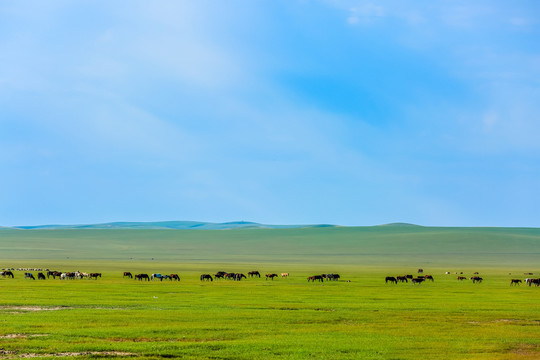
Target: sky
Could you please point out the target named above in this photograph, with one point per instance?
(345, 112)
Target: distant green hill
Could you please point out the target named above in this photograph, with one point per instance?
(373, 245)
(178, 225)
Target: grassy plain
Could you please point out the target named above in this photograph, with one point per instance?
(286, 318)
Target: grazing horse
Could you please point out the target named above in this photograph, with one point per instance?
(476, 279)
(157, 276)
(29, 276)
(420, 271)
(271, 276)
(41, 276)
(254, 273)
(409, 276)
(140, 277)
(8, 273)
(461, 278)
(284, 275)
(174, 277)
(417, 281)
(536, 282)
(391, 279)
(515, 282)
(206, 277)
(315, 277)
(94, 275)
(239, 276)
(219, 275)
(429, 277)
(54, 274)
(128, 274)
(402, 279)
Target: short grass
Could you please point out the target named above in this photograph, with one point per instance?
(286, 318)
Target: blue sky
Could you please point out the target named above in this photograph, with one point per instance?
(284, 112)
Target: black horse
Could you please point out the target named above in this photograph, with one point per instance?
(206, 277)
(271, 276)
(254, 273)
(391, 279)
(239, 276)
(142, 277)
(41, 276)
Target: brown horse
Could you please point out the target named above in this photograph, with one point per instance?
(94, 275)
(391, 279)
(515, 282)
(428, 277)
(174, 277)
(420, 271)
(128, 274)
(271, 276)
(461, 278)
(254, 273)
(402, 279)
(315, 277)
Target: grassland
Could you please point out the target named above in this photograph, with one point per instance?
(286, 318)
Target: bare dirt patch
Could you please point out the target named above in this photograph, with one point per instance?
(20, 336)
(8, 354)
(35, 308)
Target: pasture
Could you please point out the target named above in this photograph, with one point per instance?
(285, 318)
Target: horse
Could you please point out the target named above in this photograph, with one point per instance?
(29, 276)
(536, 282)
(461, 278)
(157, 276)
(218, 275)
(140, 277)
(8, 273)
(284, 275)
(54, 274)
(420, 271)
(41, 276)
(254, 273)
(476, 279)
(402, 279)
(515, 282)
(239, 276)
(206, 277)
(271, 276)
(418, 281)
(409, 276)
(391, 279)
(174, 277)
(128, 274)
(429, 277)
(94, 275)
(335, 277)
(315, 277)
(229, 276)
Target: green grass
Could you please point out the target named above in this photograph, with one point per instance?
(286, 318)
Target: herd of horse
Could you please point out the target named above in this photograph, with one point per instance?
(239, 276)
(54, 274)
(405, 279)
(145, 277)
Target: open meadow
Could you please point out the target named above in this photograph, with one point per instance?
(357, 317)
